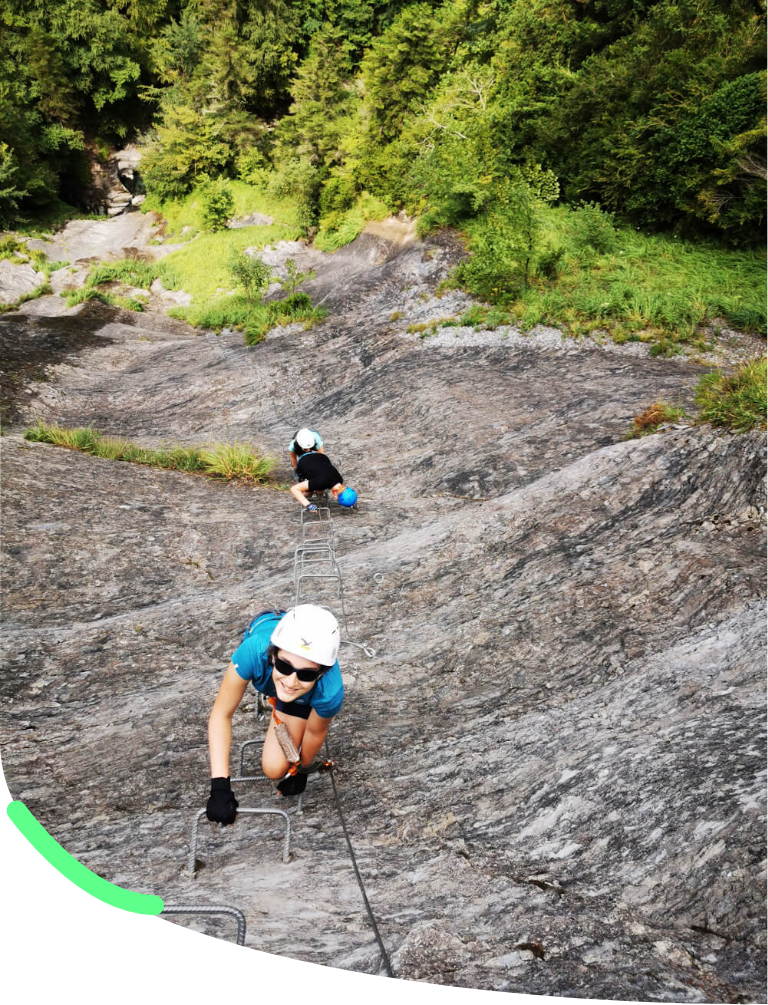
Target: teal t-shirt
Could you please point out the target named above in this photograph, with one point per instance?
(251, 661)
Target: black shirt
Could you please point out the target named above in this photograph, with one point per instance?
(318, 470)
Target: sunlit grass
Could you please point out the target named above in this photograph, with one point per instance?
(230, 461)
(200, 267)
(735, 401)
(649, 288)
(339, 229)
(235, 460)
(188, 212)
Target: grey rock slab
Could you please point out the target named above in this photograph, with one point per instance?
(102, 239)
(49, 307)
(253, 220)
(68, 278)
(18, 280)
(553, 769)
(176, 297)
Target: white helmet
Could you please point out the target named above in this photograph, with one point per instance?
(305, 438)
(309, 631)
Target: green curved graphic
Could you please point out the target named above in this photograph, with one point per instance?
(76, 872)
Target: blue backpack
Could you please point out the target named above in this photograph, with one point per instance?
(260, 618)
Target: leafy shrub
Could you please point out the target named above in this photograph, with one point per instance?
(294, 279)
(218, 205)
(491, 271)
(249, 272)
(339, 194)
(504, 244)
(301, 180)
(253, 167)
(592, 229)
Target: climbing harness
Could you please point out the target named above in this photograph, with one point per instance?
(285, 740)
(292, 754)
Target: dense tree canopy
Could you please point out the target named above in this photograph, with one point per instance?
(655, 110)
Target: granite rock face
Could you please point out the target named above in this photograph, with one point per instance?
(552, 771)
(18, 280)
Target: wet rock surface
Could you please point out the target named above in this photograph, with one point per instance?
(553, 771)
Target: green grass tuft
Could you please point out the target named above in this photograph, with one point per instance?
(231, 461)
(736, 401)
(235, 460)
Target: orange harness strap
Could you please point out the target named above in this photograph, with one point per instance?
(285, 740)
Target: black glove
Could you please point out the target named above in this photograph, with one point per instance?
(294, 785)
(222, 805)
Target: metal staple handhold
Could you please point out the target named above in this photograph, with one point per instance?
(203, 909)
(249, 812)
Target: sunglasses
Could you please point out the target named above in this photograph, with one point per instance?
(285, 669)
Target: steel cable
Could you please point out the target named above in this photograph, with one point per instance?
(376, 932)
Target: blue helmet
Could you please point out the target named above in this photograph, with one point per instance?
(348, 497)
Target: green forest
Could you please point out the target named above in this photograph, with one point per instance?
(651, 110)
(603, 160)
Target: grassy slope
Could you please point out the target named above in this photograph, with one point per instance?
(646, 287)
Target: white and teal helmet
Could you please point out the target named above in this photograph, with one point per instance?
(309, 631)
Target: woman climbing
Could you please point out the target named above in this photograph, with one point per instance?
(314, 473)
(305, 439)
(292, 659)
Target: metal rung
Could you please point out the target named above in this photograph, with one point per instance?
(246, 812)
(202, 909)
(320, 521)
(248, 743)
(317, 575)
(316, 551)
(310, 564)
(312, 544)
(321, 514)
(330, 578)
